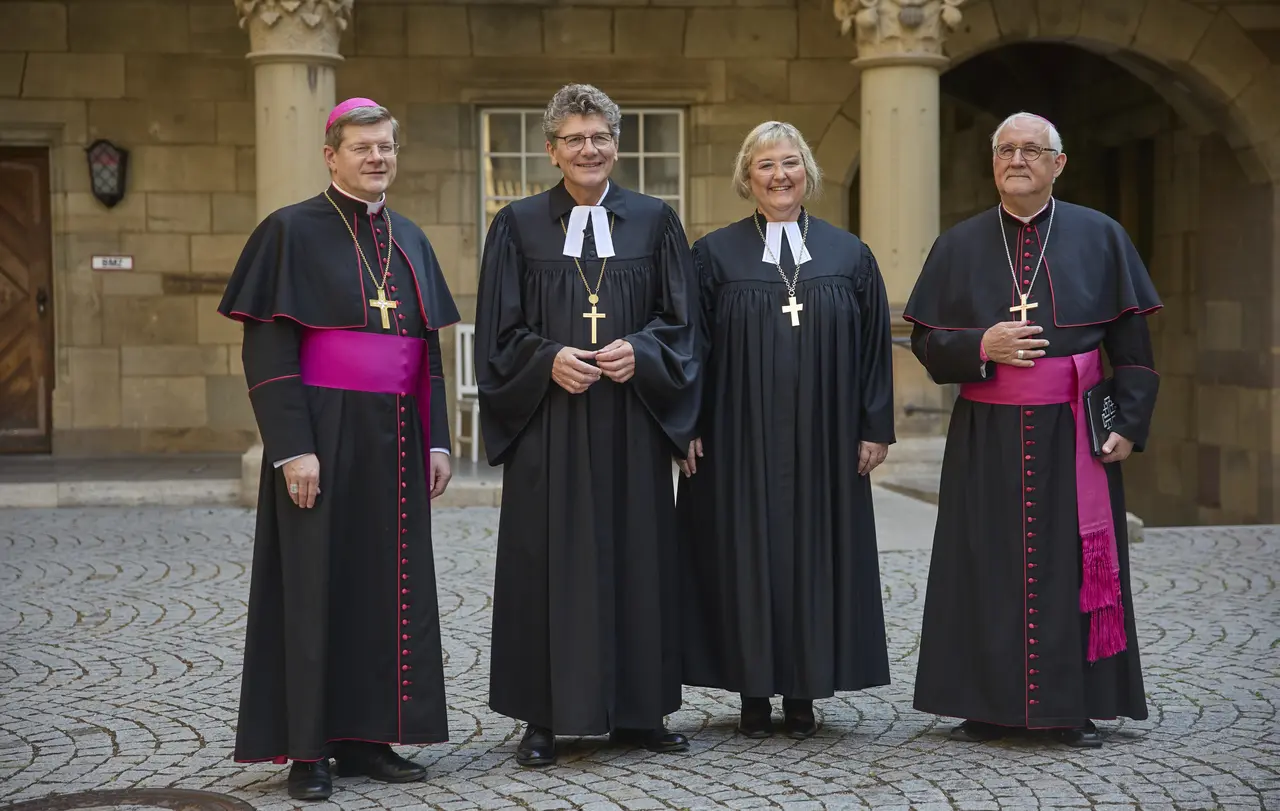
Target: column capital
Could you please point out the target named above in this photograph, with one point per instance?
(294, 30)
(898, 32)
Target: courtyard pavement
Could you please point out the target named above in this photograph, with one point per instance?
(120, 648)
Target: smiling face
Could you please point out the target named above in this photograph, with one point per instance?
(362, 165)
(1020, 177)
(585, 150)
(778, 180)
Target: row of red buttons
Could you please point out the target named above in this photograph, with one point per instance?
(382, 247)
(1031, 550)
(405, 683)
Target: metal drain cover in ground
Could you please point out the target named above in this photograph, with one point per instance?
(135, 799)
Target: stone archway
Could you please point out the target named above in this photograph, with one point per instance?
(1202, 62)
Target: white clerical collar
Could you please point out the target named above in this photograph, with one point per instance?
(773, 243)
(577, 227)
(373, 208)
(1033, 216)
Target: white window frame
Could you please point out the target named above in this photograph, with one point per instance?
(677, 202)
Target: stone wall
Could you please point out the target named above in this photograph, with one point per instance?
(144, 363)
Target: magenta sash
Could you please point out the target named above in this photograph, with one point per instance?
(367, 361)
(1065, 380)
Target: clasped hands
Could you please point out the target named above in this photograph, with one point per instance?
(571, 372)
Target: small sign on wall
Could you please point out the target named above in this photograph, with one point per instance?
(113, 263)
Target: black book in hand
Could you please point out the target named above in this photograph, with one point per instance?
(1100, 411)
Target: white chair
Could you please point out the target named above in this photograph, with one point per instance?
(464, 369)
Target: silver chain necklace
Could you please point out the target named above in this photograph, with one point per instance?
(1053, 205)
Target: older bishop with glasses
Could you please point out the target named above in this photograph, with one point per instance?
(585, 360)
(1028, 618)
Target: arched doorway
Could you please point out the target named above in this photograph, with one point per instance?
(1165, 160)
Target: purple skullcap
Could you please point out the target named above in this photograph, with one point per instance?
(346, 107)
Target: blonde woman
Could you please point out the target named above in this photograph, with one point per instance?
(781, 583)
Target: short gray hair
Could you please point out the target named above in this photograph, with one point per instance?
(766, 135)
(361, 117)
(1055, 140)
(583, 100)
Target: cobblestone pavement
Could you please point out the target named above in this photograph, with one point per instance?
(120, 637)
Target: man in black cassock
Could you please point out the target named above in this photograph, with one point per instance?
(341, 301)
(585, 361)
(778, 537)
(1028, 619)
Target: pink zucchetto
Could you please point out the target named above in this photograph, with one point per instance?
(346, 107)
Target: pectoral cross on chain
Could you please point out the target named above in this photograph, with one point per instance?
(793, 309)
(595, 317)
(1023, 307)
(384, 304)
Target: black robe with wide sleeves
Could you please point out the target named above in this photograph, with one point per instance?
(343, 634)
(1003, 638)
(585, 614)
(778, 536)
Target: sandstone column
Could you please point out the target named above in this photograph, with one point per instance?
(293, 46)
(900, 60)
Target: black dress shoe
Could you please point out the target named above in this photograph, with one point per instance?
(537, 748)
(1085, 737)
(756, 718)
(797, 718)
(375, 761)
(977, 731)
(655, 740)
(310, 781)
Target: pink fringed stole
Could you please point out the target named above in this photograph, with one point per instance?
(1065, 380)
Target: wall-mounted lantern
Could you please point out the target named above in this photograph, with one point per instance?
(108, 166)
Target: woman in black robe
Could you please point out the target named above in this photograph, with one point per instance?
(782, 584)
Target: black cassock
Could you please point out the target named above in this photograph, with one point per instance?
(343, 634)
(778, 537)
(1003, 638)
(585, 613)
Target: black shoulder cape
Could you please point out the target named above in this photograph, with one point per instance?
(300, 263)
(1092, 273)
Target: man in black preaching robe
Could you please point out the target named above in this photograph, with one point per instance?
(341, 300)
(1028, 619)
(585, 361)
(777, 533)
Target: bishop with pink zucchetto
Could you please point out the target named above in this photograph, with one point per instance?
(342, 300)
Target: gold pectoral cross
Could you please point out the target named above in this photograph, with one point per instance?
(594, 315)
(1024, 306)
(384, 304)
(793, 309)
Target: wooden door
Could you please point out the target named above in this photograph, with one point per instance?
(26, 301)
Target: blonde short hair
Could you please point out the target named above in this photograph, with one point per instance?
(766, 135)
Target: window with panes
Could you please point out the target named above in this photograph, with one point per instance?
(514, 162)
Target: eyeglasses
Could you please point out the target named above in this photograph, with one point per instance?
(365, 150)
(788, 165)
(574, 143)
(1030, 152)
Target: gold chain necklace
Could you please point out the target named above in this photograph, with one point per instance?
(386, 270)
(593, 297)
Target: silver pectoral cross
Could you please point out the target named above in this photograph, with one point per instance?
(793, 309)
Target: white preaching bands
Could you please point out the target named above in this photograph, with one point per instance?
(576, 229)
(773, 242)
(373, 208)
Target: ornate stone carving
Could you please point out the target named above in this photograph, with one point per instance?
(280, 27)
(898, 28)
